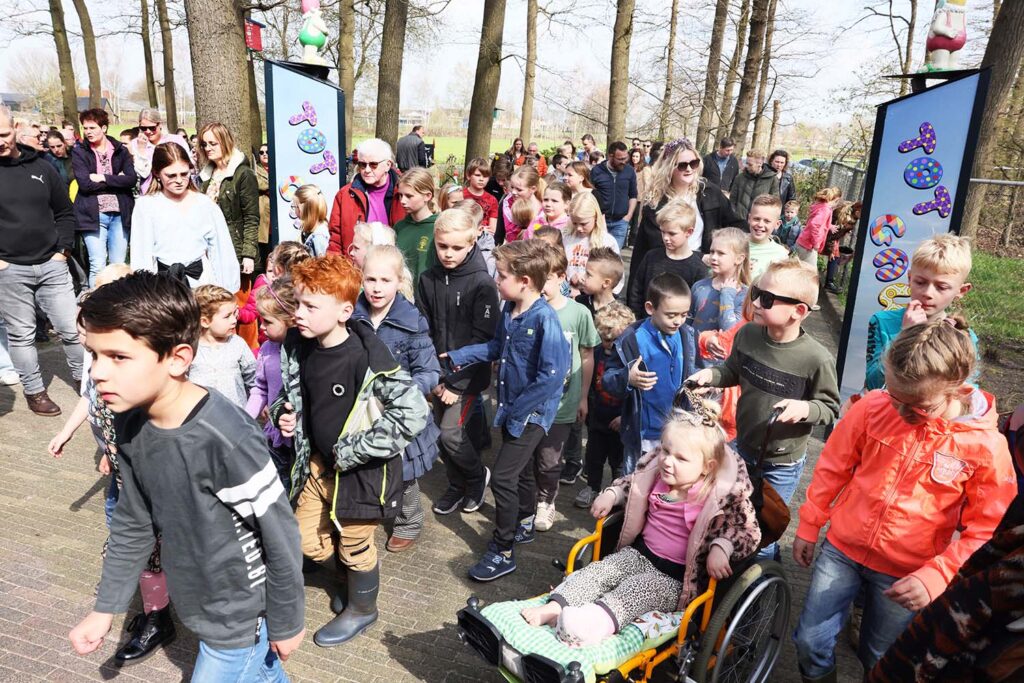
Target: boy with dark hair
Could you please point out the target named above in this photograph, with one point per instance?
(650, 361)
(602, 275)
(195, 469)
(352, 410)
(478, 173)
(534, 360)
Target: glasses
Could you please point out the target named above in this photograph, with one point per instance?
(647, 145)
(767, 299)
(692, 165)
(372, 164)
(262, 152)
(148, 129)
(909, 409)
(204, 144)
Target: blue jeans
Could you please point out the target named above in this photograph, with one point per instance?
(784, 478)
(834, 585)
(106, 245)
(618, 229)
(242, 665)
(5, 356)
(111, 498)
(49, 285)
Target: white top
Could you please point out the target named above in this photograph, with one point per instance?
(577, 252)
(228, 367)
(193, 229)
(697, 236)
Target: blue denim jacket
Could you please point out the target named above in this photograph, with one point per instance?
(534, 363)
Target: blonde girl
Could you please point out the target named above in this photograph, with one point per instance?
(310, 207)
(414, 234)
(527, 184)
(819, 221)
(366, 235)
(451, 194)
(687, 499)
(588, 231)
(717, 301)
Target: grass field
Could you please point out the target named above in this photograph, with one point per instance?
(995, 306)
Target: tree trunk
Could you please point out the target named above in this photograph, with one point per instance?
(908, 54)
(707, 107)
(526, 119)
(65, 67)
(147, 55)
(776, 112)
(669, 73)
(727, 110)
(347, 63)
(217, 46)
(618, 87)
(255, 118)
(755, 48)
(762, 88)
(488, 78)
(389, 70)
(167, 45)
(1003, 55)
(92, 65)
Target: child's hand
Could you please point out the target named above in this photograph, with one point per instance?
(803, 552)
(448, 397)
(103, 466)
(909, 593)
(718, 563)
(582, 410)
(615, 424)
(57, 443)
(286, 422)
(89, 634)
(284, 648)
(793, 410)
(714, 347)
(914, 314)
(444, 356)
(701, 378)
(602, 505)
(641, 379)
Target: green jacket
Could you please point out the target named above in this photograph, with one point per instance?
(747, 186)
(389, 412)
(239, 201)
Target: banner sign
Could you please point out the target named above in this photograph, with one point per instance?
(921, 159)
(305, 137)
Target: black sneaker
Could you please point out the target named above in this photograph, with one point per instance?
(449, 502)
(570, 472)
(473, 501)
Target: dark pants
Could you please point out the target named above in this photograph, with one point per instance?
(830, 271)
(515, 455)
(539, 484)
(603, 446)
(573, 454)
(461, 459)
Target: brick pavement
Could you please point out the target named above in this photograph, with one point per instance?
(49, 565)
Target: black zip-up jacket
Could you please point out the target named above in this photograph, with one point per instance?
(36, 217)
(121, 184)
(461, 306)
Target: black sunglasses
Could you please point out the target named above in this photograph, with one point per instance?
(692, 165)
(767, 299)
(372, 164)
(148, 129)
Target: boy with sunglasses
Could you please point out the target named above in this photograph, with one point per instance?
(779, 367)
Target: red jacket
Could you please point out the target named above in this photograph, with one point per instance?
(895, 492)
(351, 206)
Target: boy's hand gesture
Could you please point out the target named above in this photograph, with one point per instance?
(803, 552)
(914, 314)
(582, 410)
(701, 378)
(90, 632)
(641, 379)
(793, 410)
(57, 443)
(444, 356)
(718, 563)
(284, 648)
(286, 422)
(602, 505)
(444, 395)
(909, 593)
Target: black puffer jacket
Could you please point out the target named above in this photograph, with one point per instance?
(461, 306)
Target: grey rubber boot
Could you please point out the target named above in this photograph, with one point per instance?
(359, 614)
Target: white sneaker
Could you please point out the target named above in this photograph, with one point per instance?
(10, 378)
(545, 516)
(585, 498)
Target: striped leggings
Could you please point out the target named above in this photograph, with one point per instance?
(409, 521)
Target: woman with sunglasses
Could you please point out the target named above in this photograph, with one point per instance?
(262, 168)
(151, 134)
(371, 196)
(677, 173)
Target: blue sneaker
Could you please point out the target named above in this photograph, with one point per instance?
(493, 565)
(525, 533)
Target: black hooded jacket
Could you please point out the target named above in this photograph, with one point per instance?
(36, 216)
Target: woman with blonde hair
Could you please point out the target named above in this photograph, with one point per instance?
(677, 173)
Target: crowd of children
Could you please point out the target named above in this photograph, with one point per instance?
(373, 364)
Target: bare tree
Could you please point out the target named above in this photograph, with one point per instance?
(167, 46)
(727, 110)
(346, 63)
(776, 113)
(92, 64)
(488, 78)
(1003, 56)
(618, 85)
(762, 88)
(530, 79)
(755, 48)
(65, 67)
(669, 71)
(389, 70)
(147, 54)
(707, 107)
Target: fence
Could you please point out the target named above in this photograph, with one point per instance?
(849, 179)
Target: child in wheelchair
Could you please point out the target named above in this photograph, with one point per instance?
(688, 515)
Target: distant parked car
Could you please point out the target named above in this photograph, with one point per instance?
(809, 166)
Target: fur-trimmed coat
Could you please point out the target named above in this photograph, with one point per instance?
(727, 519)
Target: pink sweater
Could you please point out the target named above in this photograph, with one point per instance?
(668, 526)
(815, 231)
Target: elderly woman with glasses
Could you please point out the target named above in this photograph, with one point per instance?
(151, 134)
(370, 197)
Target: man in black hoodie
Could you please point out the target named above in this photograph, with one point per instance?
(37, 229)
(460, 301)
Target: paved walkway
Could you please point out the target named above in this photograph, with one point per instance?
(53, 529)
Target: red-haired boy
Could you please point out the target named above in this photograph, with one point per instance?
(352, 410)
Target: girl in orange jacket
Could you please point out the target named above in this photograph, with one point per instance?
(903, 470)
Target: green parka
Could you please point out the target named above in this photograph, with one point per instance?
(239, 201)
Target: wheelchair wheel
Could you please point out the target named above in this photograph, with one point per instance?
(745, 634)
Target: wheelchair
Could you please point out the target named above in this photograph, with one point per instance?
(731, 633)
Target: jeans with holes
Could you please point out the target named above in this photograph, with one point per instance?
(239, 665)
(835, 582)
(21, 288)
(108, 244)
(618, 229)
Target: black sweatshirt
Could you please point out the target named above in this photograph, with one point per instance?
(230, 543)
(36, 218)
